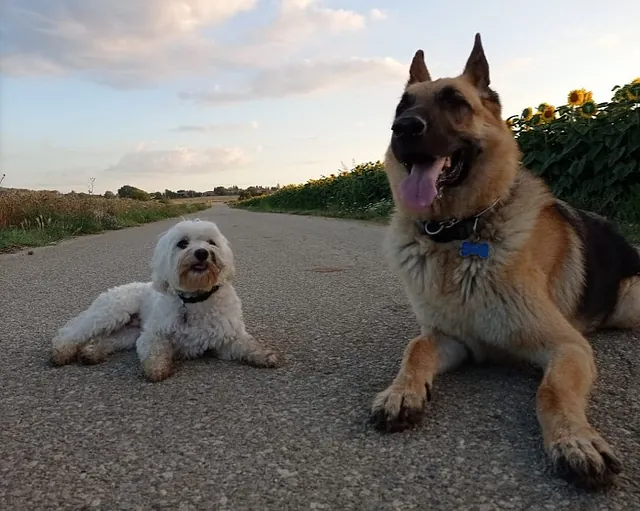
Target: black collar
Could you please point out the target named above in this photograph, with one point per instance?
(454, 229)
(197, 297)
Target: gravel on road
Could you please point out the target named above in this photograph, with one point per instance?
(220, 435)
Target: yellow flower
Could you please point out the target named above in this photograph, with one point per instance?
(588, 110)
(542, 107)
(509, 123)
(527, 114)
(548, 114)
(636, 80)
(588, 96)
(576, 97)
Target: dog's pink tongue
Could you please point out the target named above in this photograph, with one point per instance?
(419, 188)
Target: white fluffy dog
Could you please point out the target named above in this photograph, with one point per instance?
(189, 307)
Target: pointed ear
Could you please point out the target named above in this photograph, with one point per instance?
(418, 71)
(477, 67)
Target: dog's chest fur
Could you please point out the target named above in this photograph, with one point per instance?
(467, 298)
(194, 329)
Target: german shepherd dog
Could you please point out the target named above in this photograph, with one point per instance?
(494, 265)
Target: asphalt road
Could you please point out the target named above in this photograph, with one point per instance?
(218, 435)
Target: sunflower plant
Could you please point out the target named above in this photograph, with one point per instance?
(588, 152)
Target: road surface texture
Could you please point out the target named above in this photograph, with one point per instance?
(219, 435)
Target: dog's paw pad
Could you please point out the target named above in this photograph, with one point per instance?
(586, 460)
(397, 409)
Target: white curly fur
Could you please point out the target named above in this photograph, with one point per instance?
(152, 316)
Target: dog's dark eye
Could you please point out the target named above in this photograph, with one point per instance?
(452, 97)
(183, 243)
(211, 242)
(406, 101)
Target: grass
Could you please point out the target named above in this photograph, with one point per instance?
(36, 218)
(377, 213)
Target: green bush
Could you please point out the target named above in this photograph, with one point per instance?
(362, 191)
(588, 153)
(131, 192)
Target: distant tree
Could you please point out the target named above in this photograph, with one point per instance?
(109, 195)
(158, 195)
(131, 192)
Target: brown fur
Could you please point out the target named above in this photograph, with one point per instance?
(522, 301)
(160, 364)
(193, 281)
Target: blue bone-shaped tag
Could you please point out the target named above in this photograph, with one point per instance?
(479, 249)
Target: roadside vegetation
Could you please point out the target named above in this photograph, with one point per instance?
(588, 153)
(34, 218)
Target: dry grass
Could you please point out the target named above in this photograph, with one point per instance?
(34, 218)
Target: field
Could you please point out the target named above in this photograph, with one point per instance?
(588, 153)
(35, 218)
(212, 199)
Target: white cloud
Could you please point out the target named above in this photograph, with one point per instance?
(377, 15)
(133, 43)
(300, 19)
(217, 128)
(179, 161)
(121, 42)
(306, 77)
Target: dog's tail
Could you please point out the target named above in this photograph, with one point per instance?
(110, 312)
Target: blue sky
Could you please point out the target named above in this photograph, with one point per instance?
(194, 94)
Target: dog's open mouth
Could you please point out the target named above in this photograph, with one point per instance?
(199, 267)
(428, 175)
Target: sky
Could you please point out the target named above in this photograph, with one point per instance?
(193, 94)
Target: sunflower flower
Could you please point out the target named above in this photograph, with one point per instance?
(542, 107)
(548, 114)
(527, 114)
(576, 97)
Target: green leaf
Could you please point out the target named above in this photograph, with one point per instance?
(593, 152)
(616, 155)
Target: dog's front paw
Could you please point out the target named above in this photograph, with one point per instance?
(158, 368)
(264, 358)
(585, 459)
(398, 408)
(63, 354)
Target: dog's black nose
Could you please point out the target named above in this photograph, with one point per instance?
(201, 254)
(408, 126)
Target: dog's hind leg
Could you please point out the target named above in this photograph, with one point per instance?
(627, 312)
(109, 312)
(98, 350)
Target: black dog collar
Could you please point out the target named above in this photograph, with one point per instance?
(455, 229)
(197, 297)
